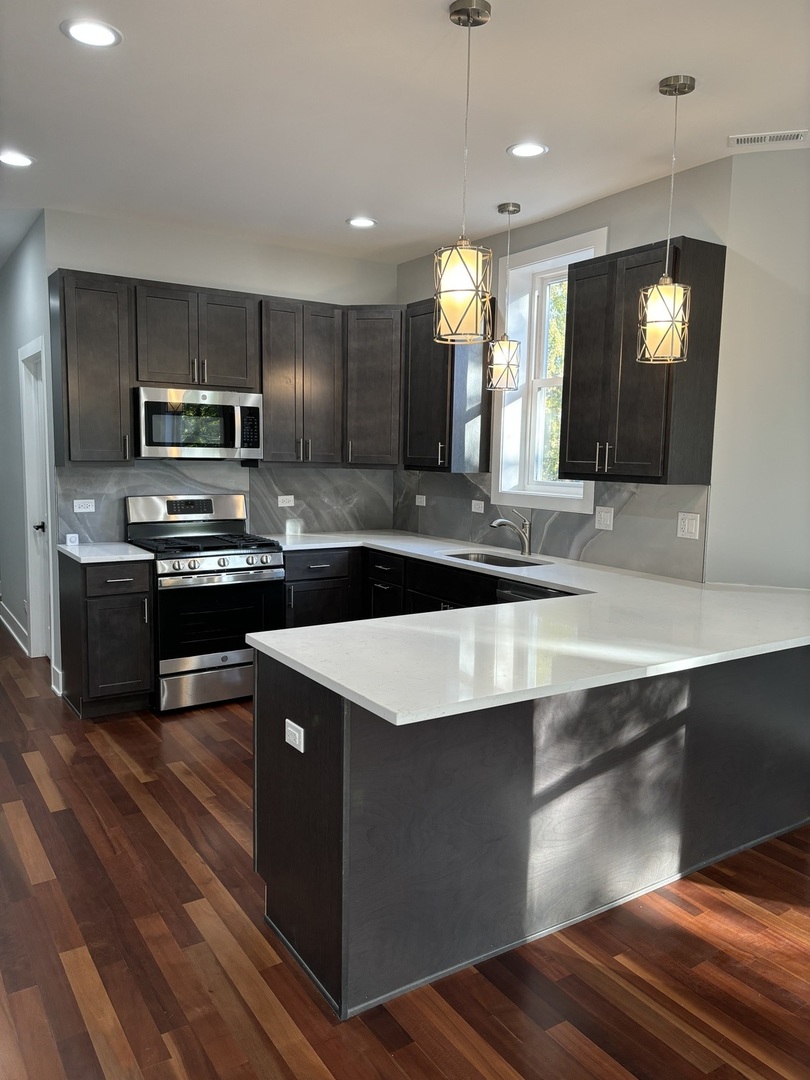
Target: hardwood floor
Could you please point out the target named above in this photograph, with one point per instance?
(132, 943)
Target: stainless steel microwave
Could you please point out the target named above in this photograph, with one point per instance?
(198, 423)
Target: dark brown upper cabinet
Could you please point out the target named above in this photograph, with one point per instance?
(446, 406)
(186, 337)
(373, 375)
(639, 422)
(302, 365)
(91, 351)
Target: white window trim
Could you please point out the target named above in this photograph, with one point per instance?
(574, 498)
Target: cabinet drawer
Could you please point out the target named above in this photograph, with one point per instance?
(111, 579)
(312, 565)
(382, 567)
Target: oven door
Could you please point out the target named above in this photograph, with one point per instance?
(188, 423)
(202, 655)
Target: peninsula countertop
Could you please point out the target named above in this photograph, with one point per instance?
(618, 625)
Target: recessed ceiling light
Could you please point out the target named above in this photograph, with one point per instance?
(361, 222)
(15, 158)
(527, 149)
(90, 32)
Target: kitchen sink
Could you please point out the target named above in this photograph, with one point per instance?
(489, 559)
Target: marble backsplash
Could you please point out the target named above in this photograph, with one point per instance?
(644, 522)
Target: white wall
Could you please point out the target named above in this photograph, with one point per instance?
(23, 318)
(759, 513)
(165, 251)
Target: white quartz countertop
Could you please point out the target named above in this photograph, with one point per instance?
(104, 553)
(620, 626)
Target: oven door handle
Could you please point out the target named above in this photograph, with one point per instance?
(243, 577)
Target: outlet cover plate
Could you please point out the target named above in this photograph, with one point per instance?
(604, 517)
(84, 506)
(294, 735)
(688, 526)
(72, 539)
(477, 506)
(286, 500)
(420, 500)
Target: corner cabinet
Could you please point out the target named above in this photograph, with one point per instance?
(191, 338)
(91, 352)
(302, 374)
(373, 353)
(106, 629)
(446, 407)
(639, 422)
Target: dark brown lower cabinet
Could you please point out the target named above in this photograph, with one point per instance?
(321, 586)
(106, 628)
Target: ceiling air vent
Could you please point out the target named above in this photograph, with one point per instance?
(769, 140)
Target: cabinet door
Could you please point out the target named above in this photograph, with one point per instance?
(167, 336)
(427, 392)
(310, 603)
(119, 645)
(97, 368)
(417, 602)
(589, 331)
(282, 379)
(373, 347)
(637, 411)
(323, 384)
(383, 599)
(229, 347)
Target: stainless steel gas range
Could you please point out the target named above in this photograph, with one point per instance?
(214, 583)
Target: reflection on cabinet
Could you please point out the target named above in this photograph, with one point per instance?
(91, 348)
(373, 348)
(191, 338)
(434, 587)
(446, 408)
(632, 421)
(302, 365)
(106, 629)
(321, 586)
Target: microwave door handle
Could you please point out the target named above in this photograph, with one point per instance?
(237, 429)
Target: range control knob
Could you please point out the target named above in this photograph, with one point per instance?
(194, 564)
(222, 562)
(250, 560)
(265, 560)
(177, 565)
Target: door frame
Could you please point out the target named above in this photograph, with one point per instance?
(38, 494)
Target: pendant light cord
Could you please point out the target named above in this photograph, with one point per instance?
(508, 252)
(671, 186)
(466, 125)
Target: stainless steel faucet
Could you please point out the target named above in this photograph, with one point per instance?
(524, 530)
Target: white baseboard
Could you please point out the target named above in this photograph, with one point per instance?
(56, 680)
(14, 627)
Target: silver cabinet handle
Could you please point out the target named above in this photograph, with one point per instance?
(385, 588)
(350, 451)
(319, 566)
(290, 596)
(146, 611)
(607, 448)
(377, 566)
(126, 448)
(118, 580)
(598, 448)
(439, 455)
(194, 370)
(300, 452)
(309, 449)
(205, 369)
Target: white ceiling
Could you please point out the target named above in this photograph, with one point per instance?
(282, 119)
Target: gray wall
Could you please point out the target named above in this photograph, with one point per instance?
(759, 518)
(23, 318)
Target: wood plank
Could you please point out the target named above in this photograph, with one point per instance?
(32, 853)
(38, 768)
(34, 1035)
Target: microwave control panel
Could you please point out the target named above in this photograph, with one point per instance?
(251, 428)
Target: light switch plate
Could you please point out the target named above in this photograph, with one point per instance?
(688, 526)
(604, 517)
(420, 500)
(294, 735)
(477, 506)
(286, 500)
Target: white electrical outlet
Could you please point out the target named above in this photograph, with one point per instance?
(477, 506)
(604, 517)
(420, 500)
(294, 735)
(286, 500)
(72, 539)
(84, 506)
(689, 526)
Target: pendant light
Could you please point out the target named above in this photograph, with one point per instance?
(504, 354)
(462, 273)
(663, 309)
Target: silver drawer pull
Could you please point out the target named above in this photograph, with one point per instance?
(385, 588)
(319, 566)
(118, 580)
(378, 567)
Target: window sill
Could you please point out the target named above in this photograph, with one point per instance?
(532, 500)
